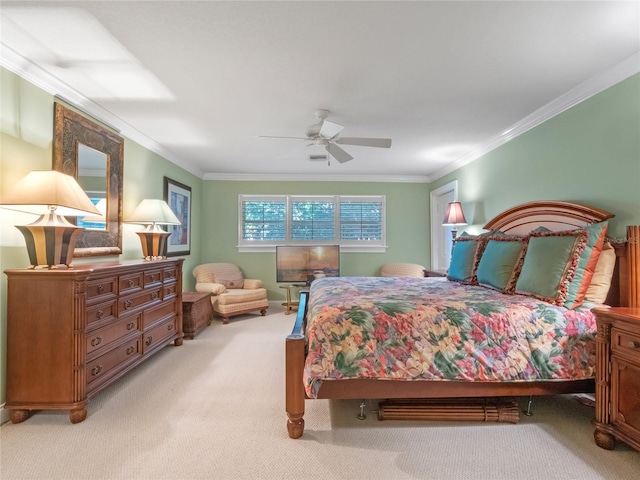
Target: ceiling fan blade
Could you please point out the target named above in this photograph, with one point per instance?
(330, 129)
(365, 142)
(273, 136)
(338, 153)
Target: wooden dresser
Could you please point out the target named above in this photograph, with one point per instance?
(618, 377)
(72, 332)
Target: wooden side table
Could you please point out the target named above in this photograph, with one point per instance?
(617, 377)
(434, 273)
(197, 312)
(290, 304)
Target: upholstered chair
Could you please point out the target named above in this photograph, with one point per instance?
(402, 270)
(231, 293)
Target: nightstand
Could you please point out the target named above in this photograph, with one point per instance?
(197, 312)
(617, 377)
(434, 273)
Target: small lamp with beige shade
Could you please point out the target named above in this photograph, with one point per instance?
(153, 212)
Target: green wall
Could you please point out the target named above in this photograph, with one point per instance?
(588, 154)
(407, 226)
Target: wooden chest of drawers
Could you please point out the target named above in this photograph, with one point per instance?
(72, 332)
(618, 377)
(197, 312)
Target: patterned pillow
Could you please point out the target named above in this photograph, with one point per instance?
(501, 262)
(231, 280)
(467, 250)
(586, 265)
(550, 262)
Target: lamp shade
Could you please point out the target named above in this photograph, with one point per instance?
(153, 212)
(454, 215)
(44, 190)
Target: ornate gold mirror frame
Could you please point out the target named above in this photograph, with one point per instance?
(71, 131)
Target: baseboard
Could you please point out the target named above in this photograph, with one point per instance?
(4, 415)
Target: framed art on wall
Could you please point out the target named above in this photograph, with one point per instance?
(178, 197)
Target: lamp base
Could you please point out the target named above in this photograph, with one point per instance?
(50, 240)
(154, 244)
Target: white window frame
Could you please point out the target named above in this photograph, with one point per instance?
(363, 246)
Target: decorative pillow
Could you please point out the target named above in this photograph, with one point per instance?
(586, 265)
(550, 263)
(601, 280)
(501, 262)
(232, 280)
(465, 256)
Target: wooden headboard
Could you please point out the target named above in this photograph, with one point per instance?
(560, 215)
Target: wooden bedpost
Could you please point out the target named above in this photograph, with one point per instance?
(294, 365)
(633, 261)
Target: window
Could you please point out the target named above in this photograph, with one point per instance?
(356, 223)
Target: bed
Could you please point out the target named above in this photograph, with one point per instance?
(460, 337)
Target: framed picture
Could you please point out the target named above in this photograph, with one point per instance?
(178, 197)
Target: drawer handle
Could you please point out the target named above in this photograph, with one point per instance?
(154, 295)
(170, 327)
(634, 344)
(99, 314)
(131, 325)
(96, 370)
(130, 350)
(148, 340)
(127, 305)
(96, 341)
(130, 283)
(153, 278)
(100, 289)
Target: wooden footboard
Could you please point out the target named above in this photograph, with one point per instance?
(295, 353)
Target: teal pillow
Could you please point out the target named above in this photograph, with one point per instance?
(465, 256)
(498, 265)
(550, 263)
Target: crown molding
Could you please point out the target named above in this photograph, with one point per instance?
(34, 74)
(576, 95)
(298, 177)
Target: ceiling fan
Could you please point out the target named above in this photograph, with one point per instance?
(325, 134)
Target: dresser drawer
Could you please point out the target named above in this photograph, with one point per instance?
(169, 291)
(102, 368)
(155, 314)
(101, 338)
(101, 289)
(130, 283)
(103, 312)
(159, 334)
(140, 300)
(152, 277)
(625, 342)
(170, 274)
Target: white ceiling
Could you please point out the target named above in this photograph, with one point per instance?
(198, 82)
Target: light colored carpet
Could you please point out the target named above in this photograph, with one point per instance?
(214, 409)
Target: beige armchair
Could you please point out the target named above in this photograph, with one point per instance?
(231, 293)
(402, 270)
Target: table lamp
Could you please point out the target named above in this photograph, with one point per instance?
(153, 212)
(454, 217)
(51, 239)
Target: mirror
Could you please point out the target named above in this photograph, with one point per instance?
(93, 155)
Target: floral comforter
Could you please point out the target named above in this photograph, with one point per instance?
(433, 329)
